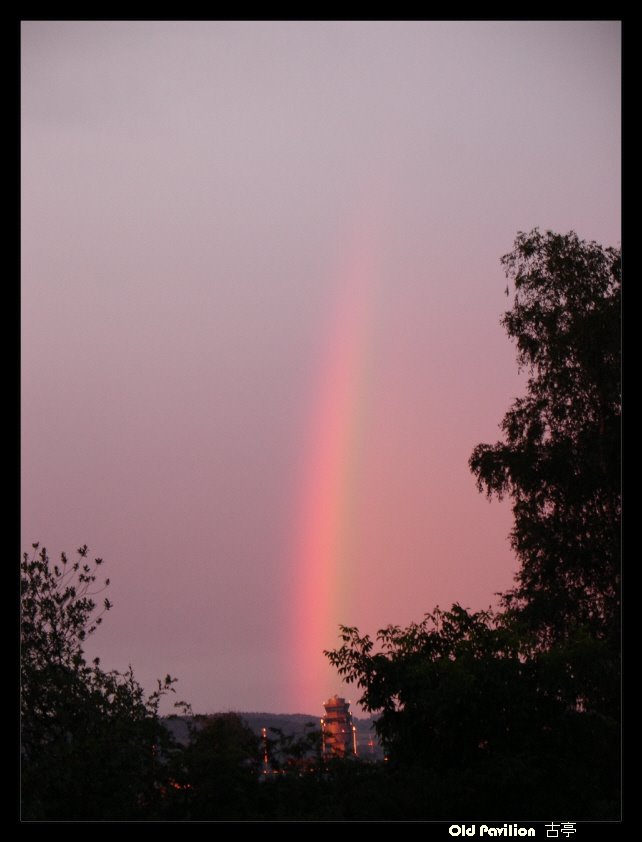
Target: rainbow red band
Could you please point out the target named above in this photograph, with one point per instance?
(324, 551)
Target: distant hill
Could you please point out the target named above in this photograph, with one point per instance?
(292, 724)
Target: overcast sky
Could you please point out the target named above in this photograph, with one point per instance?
(261, 295)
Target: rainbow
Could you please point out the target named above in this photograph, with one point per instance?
(325, 544)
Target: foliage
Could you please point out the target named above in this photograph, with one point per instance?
(440, 670)
(478, 725)
(289, 752)
(92, 745)
(220, 768)
(560, 460)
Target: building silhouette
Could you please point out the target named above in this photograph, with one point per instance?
(338, 732)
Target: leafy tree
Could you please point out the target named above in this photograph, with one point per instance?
(220, 768)
(92, 744)
(475, 724)
(289, 752)
(432, 683)
(560, 458)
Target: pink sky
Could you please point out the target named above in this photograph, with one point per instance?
(194, 195)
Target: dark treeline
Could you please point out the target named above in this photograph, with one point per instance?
(501, 714)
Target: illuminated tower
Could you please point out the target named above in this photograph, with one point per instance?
(338, 731)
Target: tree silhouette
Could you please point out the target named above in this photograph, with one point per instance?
(560, 457)
(220, 768)
(92, 746)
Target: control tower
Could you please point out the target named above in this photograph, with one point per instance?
(339, 734)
